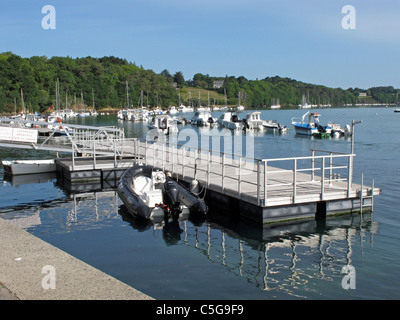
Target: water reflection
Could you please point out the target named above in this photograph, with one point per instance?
(290, 259)
(281, 258)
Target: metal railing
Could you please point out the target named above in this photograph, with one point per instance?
(263, 180)
(307, 175)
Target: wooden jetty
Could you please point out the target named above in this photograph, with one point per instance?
(262, 190)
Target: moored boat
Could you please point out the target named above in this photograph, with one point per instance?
(140, 188)
(310, 127)
(202, 118)
(230, 120)
(18, 167)
(163, 124)
(147, 192)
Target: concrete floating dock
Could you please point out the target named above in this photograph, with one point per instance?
(26, 263)
(292, 188)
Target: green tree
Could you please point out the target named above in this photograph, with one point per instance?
(179, 79)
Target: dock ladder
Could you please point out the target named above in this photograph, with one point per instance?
(369, 195)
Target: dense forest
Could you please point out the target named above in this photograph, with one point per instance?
(32, 81)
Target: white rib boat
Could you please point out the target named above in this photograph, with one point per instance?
(16, 167)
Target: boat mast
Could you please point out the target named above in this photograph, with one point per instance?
(127, 94)
(93, 99)
(22, 101)
(83, 106)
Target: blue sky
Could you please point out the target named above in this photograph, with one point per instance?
(299, 39)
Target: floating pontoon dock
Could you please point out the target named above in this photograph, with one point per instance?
(262, 190)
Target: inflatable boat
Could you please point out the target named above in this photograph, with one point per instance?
(147, 192)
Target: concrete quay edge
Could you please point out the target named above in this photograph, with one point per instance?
(30, 268)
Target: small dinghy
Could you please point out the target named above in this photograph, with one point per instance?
(147, 192)
(17, 167)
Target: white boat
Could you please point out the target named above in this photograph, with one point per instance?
(172, 110)
(202, 118)
(17, 167)
(275, 126)
(230, 120)
(253, 121)
(304, 104)
(310, 127)
(275, 105)
(182, 108)
(164, 124)
(120, 115)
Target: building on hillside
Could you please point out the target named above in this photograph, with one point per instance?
(218, 84)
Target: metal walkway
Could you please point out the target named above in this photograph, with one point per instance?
(268, 189)
(61, 137)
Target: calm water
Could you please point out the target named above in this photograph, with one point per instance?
(222, 258)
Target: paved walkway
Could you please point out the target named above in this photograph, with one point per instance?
(23, 258)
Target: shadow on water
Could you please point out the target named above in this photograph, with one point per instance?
(298, 259)
(283, 258)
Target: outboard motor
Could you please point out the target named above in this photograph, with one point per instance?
(245, 124)
(171, 193)
(321, 128)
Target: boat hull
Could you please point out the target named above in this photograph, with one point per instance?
(134, 203)
(20, 167)
(304, 130)
(174, 195)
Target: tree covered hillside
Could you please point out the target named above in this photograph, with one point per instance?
(106, 79)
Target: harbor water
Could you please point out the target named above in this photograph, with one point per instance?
(221, 256)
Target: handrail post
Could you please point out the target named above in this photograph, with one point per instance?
(294, 179)
(173, 162)
(361, 192)
(94, 154)
(312, 165)
(323, 178)
(330, 168)
(349, 175)
(73, 158)
(265, 182)
(223, 170)
(258, 182)
(208, 168)
(115, 153)
(183, 161)
(145, 152)
(240, 178)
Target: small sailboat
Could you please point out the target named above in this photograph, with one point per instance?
(275, 105)
(304, 103)
(397, 108)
